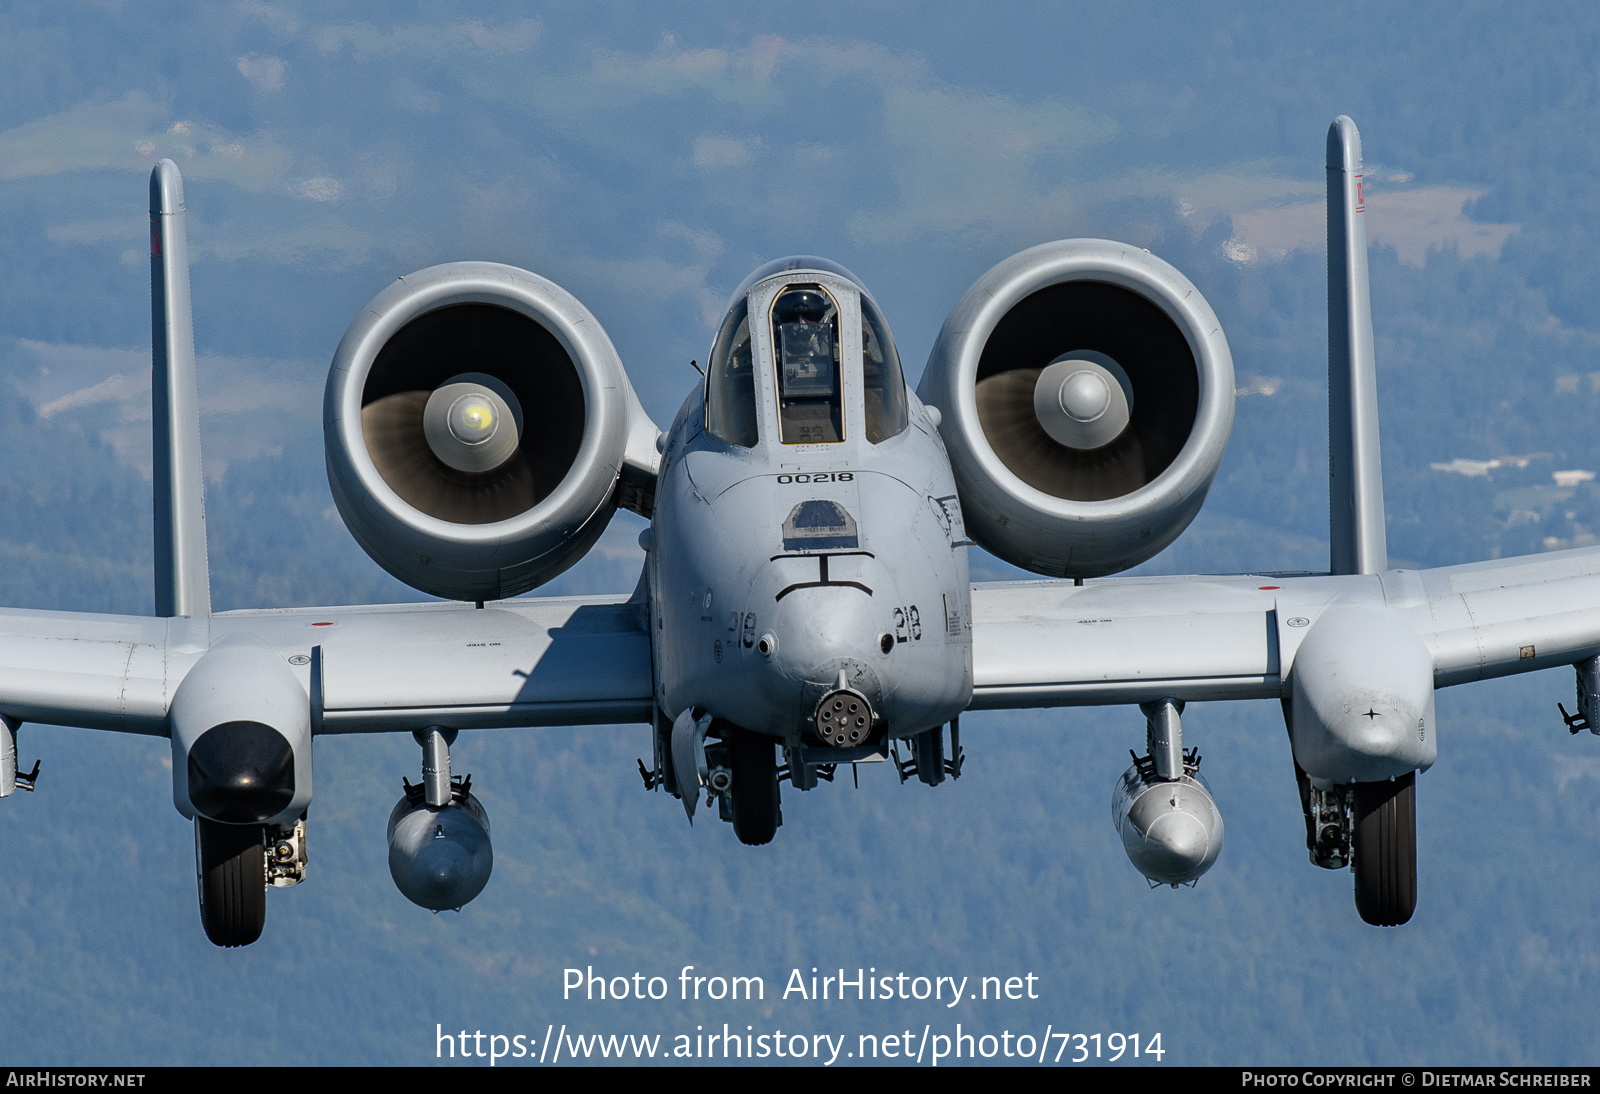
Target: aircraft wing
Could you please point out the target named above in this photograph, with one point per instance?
(1488, 619)
(1052, 643)
(91, 671)
(557, 661)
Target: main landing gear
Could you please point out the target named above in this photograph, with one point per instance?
(235, 864)
(1371, 828)
(232, 864)
(1384, 849)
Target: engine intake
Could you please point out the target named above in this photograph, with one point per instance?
(478, 423)
(1087, 395)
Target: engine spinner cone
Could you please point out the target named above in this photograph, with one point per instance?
(1083, 400)
(470, 426)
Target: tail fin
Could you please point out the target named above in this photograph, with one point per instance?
(1355, 470)
(183, 578)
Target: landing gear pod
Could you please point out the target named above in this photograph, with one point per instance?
(478, 426)
(241, 770)
(1086, 395)
(1361, 707)
(241, 738)
(1361, 723)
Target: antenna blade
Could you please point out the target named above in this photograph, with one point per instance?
(1355, 471)
(183, 578)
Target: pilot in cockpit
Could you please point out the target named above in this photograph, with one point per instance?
(810, 360)
(805, 328)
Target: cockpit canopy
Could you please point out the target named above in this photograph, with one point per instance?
(806, 361)
(805, 345)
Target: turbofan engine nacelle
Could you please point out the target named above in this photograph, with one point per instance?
(480, 431)
(1170, 828)
(1086, 393)
(440, 856)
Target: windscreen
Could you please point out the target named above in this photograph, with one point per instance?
(882, 382)
(805, 339)
(731, 382)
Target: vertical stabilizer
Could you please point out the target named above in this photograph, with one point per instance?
(1355, 472)
(183, 579)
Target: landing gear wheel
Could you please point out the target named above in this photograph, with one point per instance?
(755, 787)
(1384, 850)
(232, 864)
(928, 750)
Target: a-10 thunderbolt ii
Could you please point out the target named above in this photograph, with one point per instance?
(805, 588)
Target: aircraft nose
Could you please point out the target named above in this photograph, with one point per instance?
(826, 640)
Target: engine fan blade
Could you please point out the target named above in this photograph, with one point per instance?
(1005, 410)
(392, 429)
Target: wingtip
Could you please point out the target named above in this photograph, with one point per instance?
(166, 188)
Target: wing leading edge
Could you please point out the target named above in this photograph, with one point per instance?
(1049, 643)
(586, 661)
(560, 661)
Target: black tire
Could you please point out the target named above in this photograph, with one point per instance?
(1384, 850)
(928, 750)
(232, 864)
(755, 787)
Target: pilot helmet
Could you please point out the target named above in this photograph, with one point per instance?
(802, 304)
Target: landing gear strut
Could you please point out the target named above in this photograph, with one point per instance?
(1384, 849)
(1328, 821)
(928, 760)
(232, 865)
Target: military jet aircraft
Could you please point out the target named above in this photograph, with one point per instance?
(806, 587)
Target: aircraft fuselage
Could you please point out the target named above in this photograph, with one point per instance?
(783, 573)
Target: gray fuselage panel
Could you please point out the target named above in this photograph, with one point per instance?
(780, 569)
